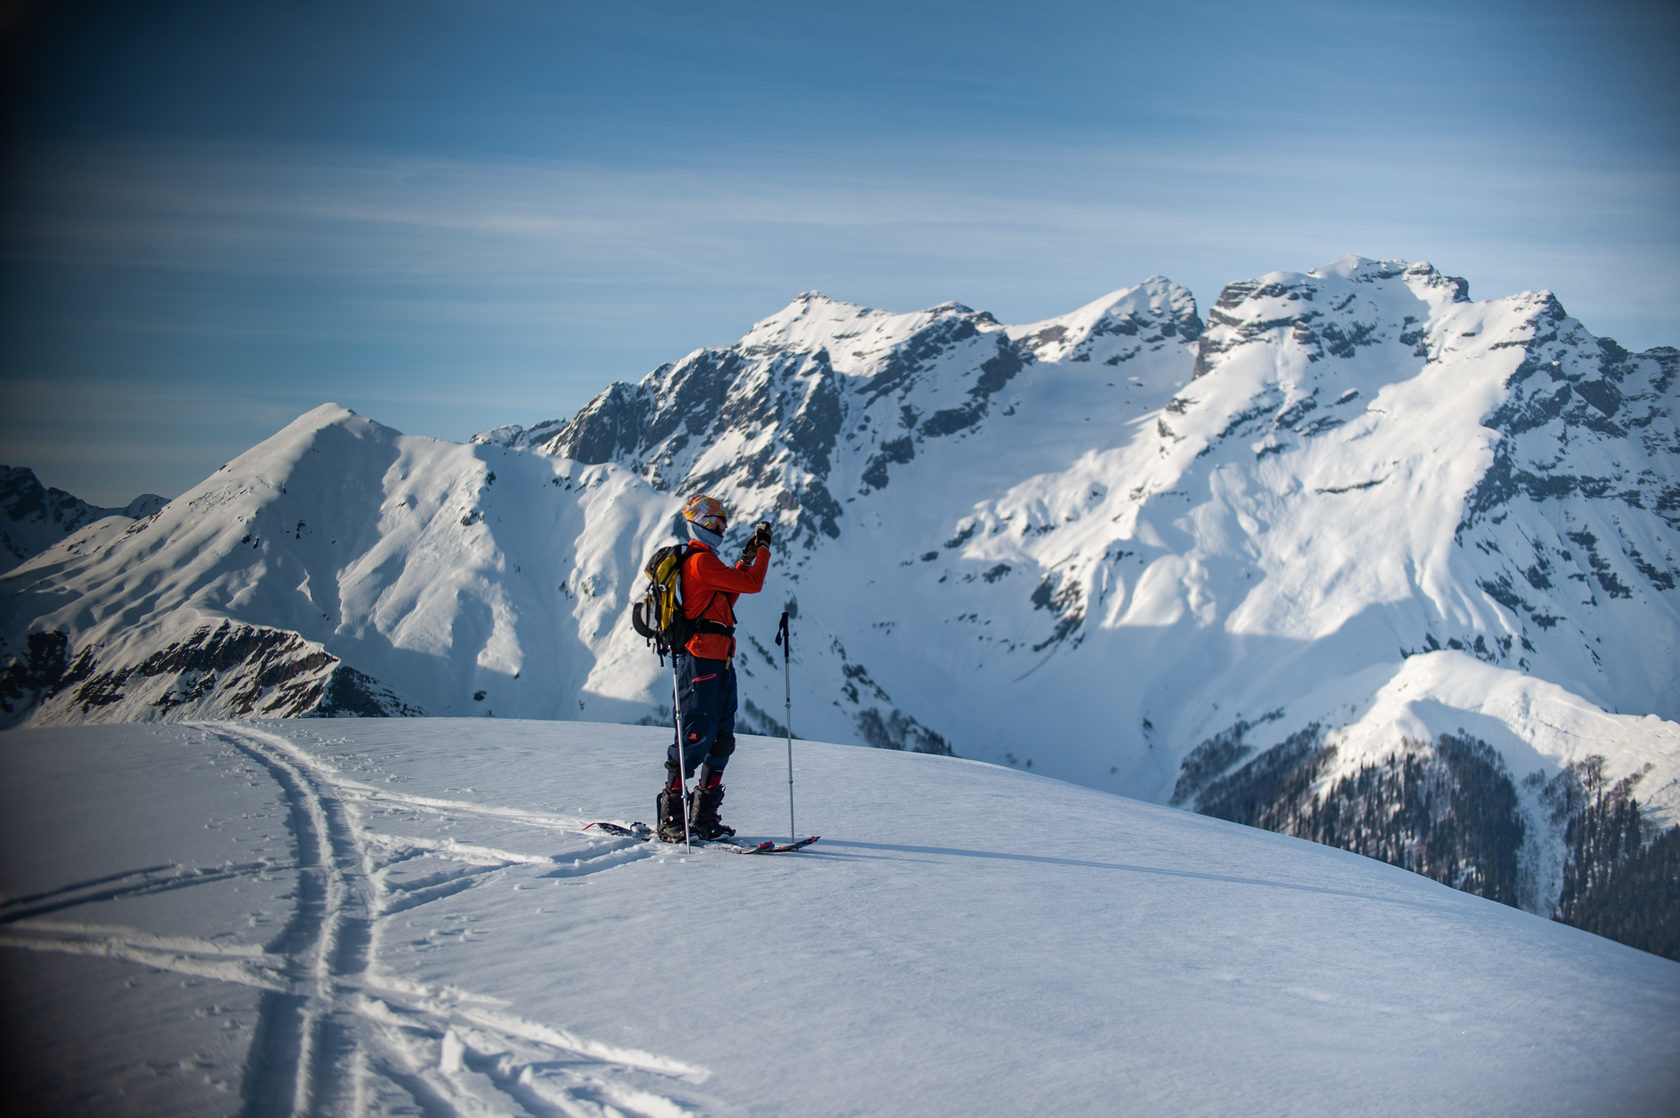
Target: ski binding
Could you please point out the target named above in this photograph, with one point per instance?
(644, 833)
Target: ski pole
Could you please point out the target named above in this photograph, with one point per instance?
(785, 639)
(682, 768)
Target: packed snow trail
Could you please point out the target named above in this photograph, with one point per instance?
(403, 917)
(335, 1034)
(358, 1032)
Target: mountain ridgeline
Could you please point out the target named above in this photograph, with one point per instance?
(34, 517)
(1356, 557)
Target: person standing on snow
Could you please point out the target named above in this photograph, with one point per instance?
(705, 669)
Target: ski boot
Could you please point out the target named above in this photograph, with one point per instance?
(703, 805)
(669, 806)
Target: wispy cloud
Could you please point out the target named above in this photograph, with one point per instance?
(367, 218)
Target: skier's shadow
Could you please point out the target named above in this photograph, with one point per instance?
(1121, 867)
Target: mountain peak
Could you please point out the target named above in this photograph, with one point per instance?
(1421, 274)
(856, 337)
(1116, 326)
(810, 315)
(324, 415)
(1354, 266)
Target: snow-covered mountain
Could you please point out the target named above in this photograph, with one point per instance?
(1355, 537)
(34, 517)
(383, 917)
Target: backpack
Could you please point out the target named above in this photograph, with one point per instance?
(658, 614)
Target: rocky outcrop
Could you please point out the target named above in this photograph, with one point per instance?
(226, 670)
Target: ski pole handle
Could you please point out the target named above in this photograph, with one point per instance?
(783, 637)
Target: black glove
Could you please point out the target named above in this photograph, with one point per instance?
(760, 537)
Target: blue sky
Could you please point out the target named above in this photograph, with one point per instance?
(451, 215)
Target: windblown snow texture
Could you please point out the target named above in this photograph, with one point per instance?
(397, 917)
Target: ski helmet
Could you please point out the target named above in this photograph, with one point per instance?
(708, 512)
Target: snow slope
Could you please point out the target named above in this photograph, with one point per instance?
(384, 917)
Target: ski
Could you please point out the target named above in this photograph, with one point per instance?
(789, 847)
(644, 833)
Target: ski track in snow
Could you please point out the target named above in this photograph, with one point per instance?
(151, 879)
(346, 1034)
(337, 1035)
(244, 965)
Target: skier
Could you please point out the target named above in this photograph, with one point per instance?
(705, 668)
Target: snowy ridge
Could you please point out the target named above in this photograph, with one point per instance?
(370, 546)
(377, 917)
(33, 517)
(1354, 509)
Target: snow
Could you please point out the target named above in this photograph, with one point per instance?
(406, 917)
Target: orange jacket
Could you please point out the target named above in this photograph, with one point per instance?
(709, 590)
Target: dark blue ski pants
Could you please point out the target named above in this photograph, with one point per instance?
(705, 712)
